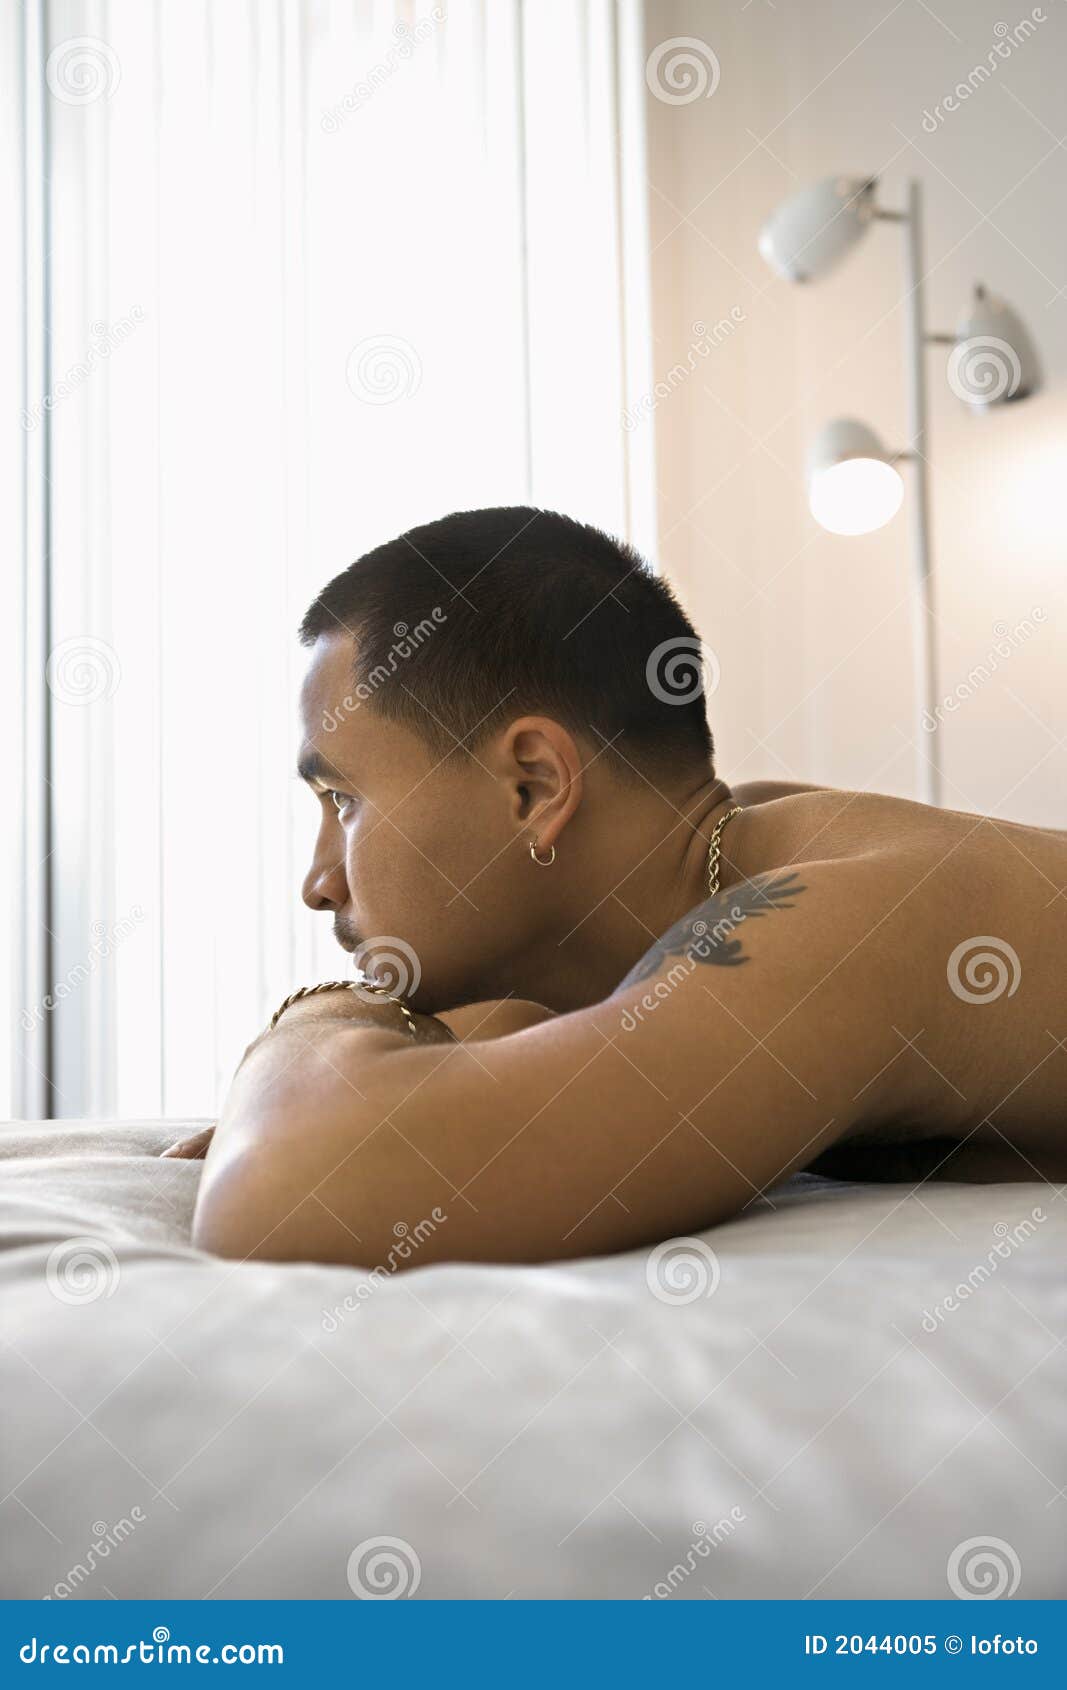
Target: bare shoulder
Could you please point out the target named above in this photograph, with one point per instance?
(795, 918)
(754, 792)
(806, 958)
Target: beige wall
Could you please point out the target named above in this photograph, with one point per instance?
(813, 632)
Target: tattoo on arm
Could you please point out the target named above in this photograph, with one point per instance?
(706, 933)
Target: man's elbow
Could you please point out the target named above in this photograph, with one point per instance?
(245, 1224)
(278, 1207)
(306, 1237)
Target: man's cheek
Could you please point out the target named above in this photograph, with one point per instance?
(379, 889)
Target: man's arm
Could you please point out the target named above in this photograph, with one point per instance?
(664, 1109)
(469, 1025)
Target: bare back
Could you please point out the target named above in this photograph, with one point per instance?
(979, 967)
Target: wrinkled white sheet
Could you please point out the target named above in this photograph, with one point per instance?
(821, 1424)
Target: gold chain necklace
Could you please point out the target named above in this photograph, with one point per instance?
(359, 987)
(714, 849)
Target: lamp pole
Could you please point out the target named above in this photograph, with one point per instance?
(924, 622)
(924, 628)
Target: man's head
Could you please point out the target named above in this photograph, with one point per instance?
(496, 679)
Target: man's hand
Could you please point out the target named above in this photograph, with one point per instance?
(191, 1149)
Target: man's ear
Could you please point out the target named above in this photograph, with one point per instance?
(543, 768)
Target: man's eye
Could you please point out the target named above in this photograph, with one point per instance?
(339, 799)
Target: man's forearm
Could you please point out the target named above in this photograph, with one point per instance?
(292, 1073)
(306, 1102)
(315, 1011)
(472, 1024)
(308, 1137)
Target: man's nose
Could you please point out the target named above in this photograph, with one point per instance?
(326, 885)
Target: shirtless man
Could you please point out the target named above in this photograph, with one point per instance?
(635, 997)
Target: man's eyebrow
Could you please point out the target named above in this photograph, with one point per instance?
(313, 767)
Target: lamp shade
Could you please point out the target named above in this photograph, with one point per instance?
(994, 360)
(812, 230)
(852, 486)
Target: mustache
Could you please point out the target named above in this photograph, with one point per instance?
(345, 934)
(387, 962)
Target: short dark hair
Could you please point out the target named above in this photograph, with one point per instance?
(462, 624)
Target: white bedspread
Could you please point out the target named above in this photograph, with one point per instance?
(822, 1423)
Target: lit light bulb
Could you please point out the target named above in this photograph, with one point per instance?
(852, 486)
(856, 496)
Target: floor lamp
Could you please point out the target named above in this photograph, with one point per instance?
(854, 485)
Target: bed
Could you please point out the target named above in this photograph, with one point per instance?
(848, 1391)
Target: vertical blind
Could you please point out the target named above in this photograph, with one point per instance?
(310, 273)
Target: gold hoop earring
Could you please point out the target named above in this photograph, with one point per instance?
(542, 862)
